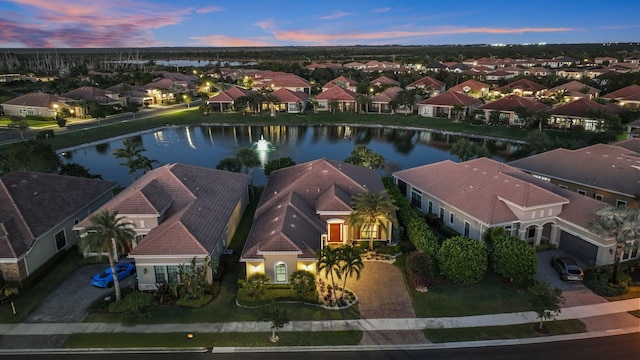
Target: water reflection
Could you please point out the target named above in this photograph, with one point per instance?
(207, 145)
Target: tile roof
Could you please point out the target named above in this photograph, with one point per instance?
(631, 92)
(428, 82)
(37, 100)
(384, 80)
(286, 218)
(524, 85)
(603, 166)
(513, 103)
(285, 95)
(90, 93)
(582, 107)
(574, 88)
(197, 203)
(481, 188)
(230, 95)
(474, 85)
(340, 81)
(337, 93)
(34, 203)
(451, 98)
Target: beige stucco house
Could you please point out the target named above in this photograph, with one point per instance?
(37, 214)
(304, 208)
(179, 212)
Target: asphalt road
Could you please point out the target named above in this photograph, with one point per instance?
(619, 347)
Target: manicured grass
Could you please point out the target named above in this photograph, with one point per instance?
(208, 340)
(223, 308)
(520, 331)
(32, 123)
(491, 295)
(29, 299)
(193, 116)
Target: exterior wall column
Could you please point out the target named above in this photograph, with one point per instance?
(538, 236)
(554, 236)
(522, 233)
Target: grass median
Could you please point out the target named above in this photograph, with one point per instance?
(209, 340)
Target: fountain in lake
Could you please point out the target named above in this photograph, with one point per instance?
(263, 146)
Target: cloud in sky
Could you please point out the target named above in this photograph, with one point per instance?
(227, 41)
(266, 24)
(209, 9)
(381, 10)
(305, 36)
(334, 15)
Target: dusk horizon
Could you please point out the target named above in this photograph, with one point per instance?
(203, 24)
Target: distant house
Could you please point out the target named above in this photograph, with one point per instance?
(381, 103)
(343, 82)
(633, 129)
(443, 105)
(37, 104)
(628, 97)
(344, 99)
(304, 208)
(581, 112)
(572, 90)
(474, 196)
(37, 214)
(225, 100)
(384, 81)
(605, 172)
(509, 106)
(93, 94)
(290, 101)
(179, 213)
(472, 88)
(559, 61)
(570, 73)
(132, 94)
(500, 74)
(276, 80)
(521, 87)
(428, 84)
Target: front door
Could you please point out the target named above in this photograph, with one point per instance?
(335, 235)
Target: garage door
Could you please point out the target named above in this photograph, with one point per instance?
(578, 248)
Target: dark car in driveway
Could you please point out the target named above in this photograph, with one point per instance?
(567, 268)
(105, 278)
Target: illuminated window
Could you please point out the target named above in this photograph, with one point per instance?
(369, 232)
(281, 272)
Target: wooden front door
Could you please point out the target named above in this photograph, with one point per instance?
(335, 235)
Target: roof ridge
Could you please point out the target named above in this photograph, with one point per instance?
(15, 206)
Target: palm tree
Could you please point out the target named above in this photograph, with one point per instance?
(458, 110)
(248, 158)
(108, 233)
(351, 263)
(133, 158)
(372, 212)
(328, 259)
(621, 223)
(466, 150)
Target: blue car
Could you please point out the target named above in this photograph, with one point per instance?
(105, 278)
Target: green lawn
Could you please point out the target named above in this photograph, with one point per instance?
(32, 123)
(520, 331)
(208, 340)
(491, 295)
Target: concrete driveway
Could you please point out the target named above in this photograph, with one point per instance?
(70, 301)
(575, 293)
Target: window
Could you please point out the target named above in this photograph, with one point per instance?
(531, 231)
(582, 192)
(403, 187)
(369, 232)
(466, 229)
(442, 214)
(172, 271)
(166, 273)
(451, 218)
(563, 186)
(281, 272)
(161, 276)
(621, 203)
(416, 199)
(598, 197)
(61, 240)
(430, 209)
(142, 224)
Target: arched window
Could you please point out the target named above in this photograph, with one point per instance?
(281, 272)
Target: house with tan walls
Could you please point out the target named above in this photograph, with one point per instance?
(304, 208)
(179, 212)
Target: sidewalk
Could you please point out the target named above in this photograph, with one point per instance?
(577, 312)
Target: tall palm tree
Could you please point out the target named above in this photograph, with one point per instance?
(621, 223)
(328, 259)
(108, 233)
(373, 212)
(133, 158)
(247, 158)
(350, 263)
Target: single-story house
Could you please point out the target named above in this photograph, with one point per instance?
(471, 88)
(343, 82)
(381, 103)
(572, 90)
(225, 100)
(605, 172)
(428, 84)
(628, 96)
(581, 112)
(443, 105)
(521, 87)
(304, 208)
(37, 215)
(38, 104)
(179, 213)
(509, 106)
(290, 101)
(476, 195)
(345, 99)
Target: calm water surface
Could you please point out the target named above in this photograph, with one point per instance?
(207, 145)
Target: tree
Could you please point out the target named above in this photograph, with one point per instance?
(230, 164)
(204, 108)
(546, 301)
(279, 163)
(133, 158)
(466, 150)
(350, 263)
(333, 105)
(372, 213)
(623, 225)
(539, 141)
(462, 260)
(277, 317)
(363, 102)
(30, 155)
(457, 111)
(361, 155)
(328, 259)
(75, 169)
(194, 277)
(248, 158)
(514, 259)
(108, 233)
(19, 123)
(302, 282)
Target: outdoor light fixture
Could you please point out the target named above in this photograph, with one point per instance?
(144, 270)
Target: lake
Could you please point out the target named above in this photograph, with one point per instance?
(206, 145)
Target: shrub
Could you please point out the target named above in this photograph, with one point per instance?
(515, 260)
(598, 280)
(421, 268)
(387, 250)
(133, 305)
(543, 247)
(256, 284)
(302, 282)
(462, 260)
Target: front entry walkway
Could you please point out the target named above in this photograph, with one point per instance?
(382, 293)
